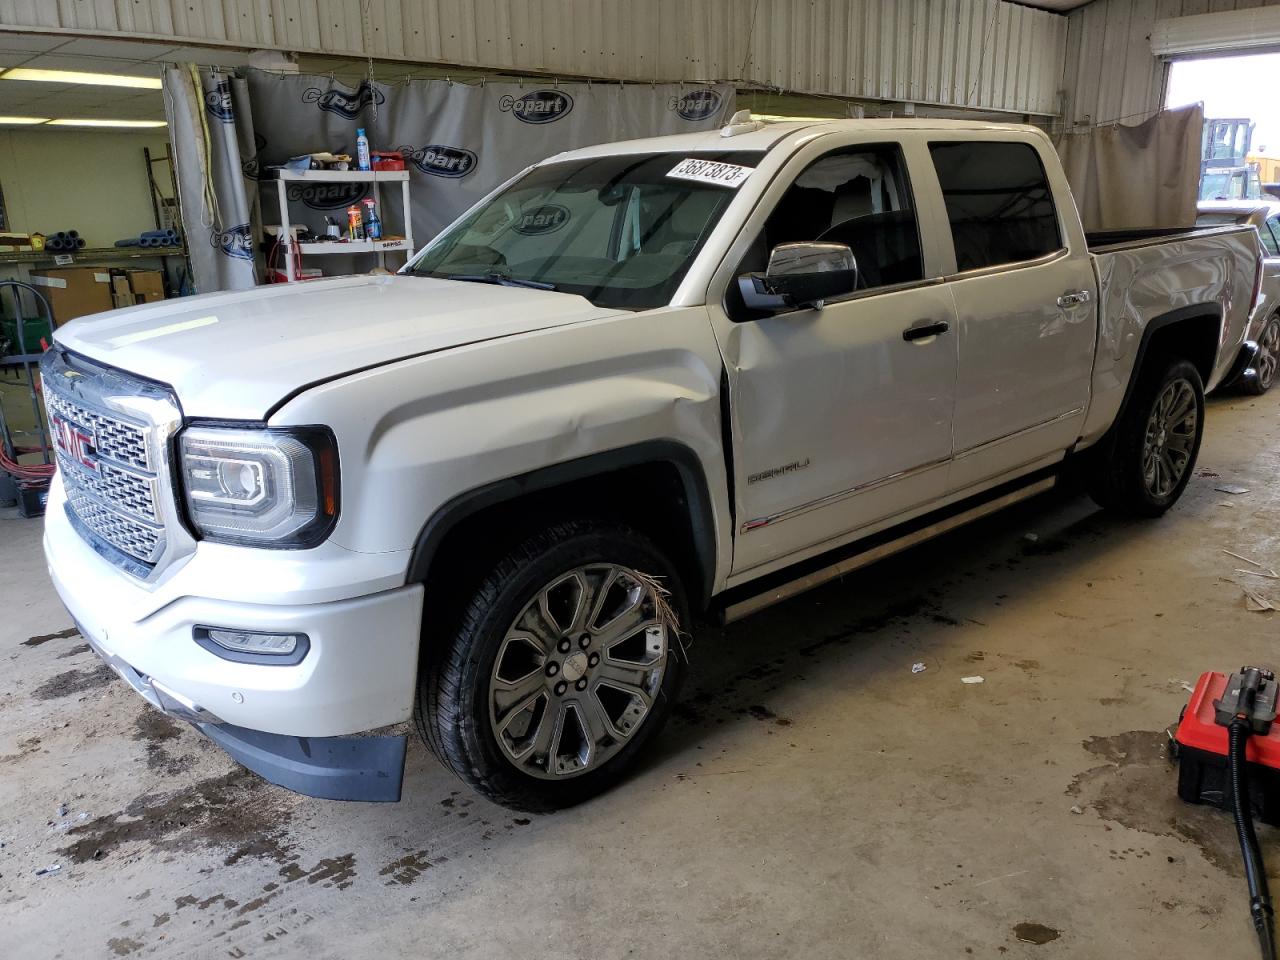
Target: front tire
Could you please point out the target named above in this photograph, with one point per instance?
(1143, 467)
(564, 663)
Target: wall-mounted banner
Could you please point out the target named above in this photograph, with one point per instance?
(459, 140)
(211, 133)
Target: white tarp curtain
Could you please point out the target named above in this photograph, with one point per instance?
(211, 130)
(459, 140)
(1137, 177)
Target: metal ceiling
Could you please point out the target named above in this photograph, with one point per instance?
(985, 54)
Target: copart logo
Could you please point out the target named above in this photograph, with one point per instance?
(696, 105)
(540, 106)
(346, 105)
(547, 218)
(235, 242)
(441, 161)
(217, 102)
(251, 167)
(327, 196)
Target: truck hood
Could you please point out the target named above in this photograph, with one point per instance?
(236, 355)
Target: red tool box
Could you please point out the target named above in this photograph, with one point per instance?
(383, 160)
(1202, 756)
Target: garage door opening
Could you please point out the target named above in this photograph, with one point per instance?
(1240, 148)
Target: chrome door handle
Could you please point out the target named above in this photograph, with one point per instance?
(925, 328)
(1074, 298)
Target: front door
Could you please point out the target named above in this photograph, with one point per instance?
(838, 419)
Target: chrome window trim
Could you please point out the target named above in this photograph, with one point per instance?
(997, 268)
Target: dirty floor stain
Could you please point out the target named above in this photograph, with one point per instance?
(1036, 933)
(74, 681)
(1137, 787)
(46, 637)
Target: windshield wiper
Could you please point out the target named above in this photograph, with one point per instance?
(501, 280)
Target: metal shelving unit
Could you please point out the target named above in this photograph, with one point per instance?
(330, 248)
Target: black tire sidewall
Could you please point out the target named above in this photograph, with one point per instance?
(588, 543)
(1257, 388)
(1163, 371)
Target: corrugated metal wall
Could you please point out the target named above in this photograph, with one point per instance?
(987, 54)
(1110, 72)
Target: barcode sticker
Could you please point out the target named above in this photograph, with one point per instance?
(711, 171)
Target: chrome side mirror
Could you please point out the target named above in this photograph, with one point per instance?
(801, 275)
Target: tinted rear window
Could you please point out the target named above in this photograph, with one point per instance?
(998, 202)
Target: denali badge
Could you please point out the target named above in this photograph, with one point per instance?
(72, 440)
(772, 472)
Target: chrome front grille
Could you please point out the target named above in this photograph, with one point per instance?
(117, 439)
(109, 431)
(138, 539)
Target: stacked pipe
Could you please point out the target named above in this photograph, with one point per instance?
(151, 238)
(65, 240)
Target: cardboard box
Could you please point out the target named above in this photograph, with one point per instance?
(147, 285)
(121, 292)
(74, 291)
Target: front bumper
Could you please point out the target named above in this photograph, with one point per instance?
(332, 768)
(293, 724)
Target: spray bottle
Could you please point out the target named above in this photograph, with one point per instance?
(372, 224)
(362, 150)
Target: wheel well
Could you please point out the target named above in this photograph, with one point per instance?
(1193, 336)
(662, 498)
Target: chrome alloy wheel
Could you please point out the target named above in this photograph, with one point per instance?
(1169, 438)
(577, 672)
(1268, 353)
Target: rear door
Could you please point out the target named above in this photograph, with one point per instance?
(838, 420)
(1025, 300)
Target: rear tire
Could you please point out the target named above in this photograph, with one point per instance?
(563, 663)
(1146, 461)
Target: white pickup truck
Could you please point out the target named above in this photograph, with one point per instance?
(639, 383)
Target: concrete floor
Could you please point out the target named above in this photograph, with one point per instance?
(814, 798)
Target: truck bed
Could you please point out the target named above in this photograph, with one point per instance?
(1110, 240)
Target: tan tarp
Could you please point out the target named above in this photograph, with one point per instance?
(1137, 177)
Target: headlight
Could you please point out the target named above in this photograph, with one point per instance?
(266, 487)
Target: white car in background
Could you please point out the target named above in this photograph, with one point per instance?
(1264, 325)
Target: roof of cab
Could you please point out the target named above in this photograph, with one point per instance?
(770, 134)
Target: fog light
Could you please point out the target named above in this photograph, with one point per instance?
(248, 646)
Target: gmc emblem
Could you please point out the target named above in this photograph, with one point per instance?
(74, 442)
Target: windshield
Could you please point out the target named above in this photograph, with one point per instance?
(618, 230)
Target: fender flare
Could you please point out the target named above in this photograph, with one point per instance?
(692, 477)
(1189, 312)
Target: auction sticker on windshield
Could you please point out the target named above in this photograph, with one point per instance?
(710, 171)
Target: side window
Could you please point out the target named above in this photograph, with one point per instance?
(1270, 230)
(859, 197)
(998, 202)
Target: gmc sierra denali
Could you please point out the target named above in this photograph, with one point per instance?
(638, 383)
